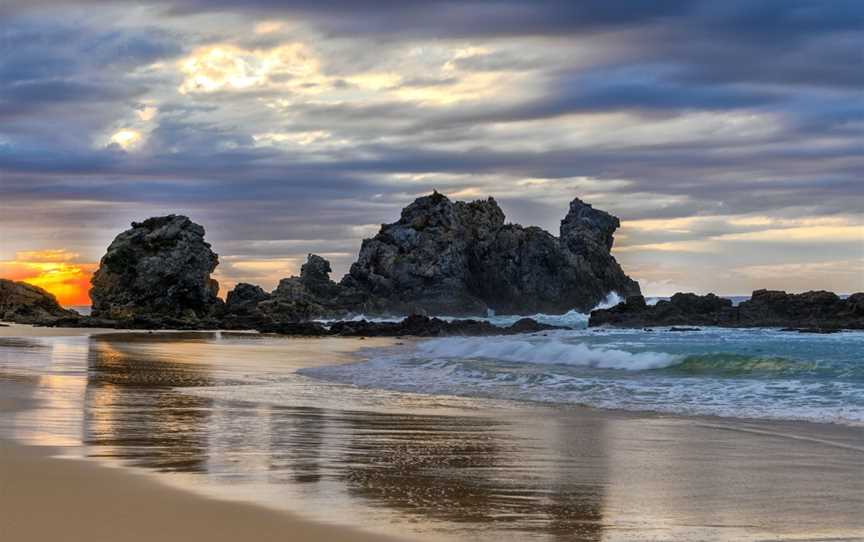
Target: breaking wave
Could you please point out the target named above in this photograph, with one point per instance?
(557, 352)
(551, 351)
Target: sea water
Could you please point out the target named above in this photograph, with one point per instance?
(745, 373)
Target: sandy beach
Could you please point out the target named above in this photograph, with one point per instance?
(46, 498)
(202, 461)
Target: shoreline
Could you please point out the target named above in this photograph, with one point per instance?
(624, 460)
(46, 495)
(13, 330)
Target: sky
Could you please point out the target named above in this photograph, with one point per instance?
(727, 136)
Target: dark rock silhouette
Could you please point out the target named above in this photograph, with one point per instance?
(296, 299)
(816, 310)
(26, 304)
(160, 268)
(459, 258)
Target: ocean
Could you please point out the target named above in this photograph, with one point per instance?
(461, 438)
(743, 373)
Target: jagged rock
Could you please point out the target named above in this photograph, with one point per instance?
(817, 310)
(27, 304)
(245, 297)
(312, 295)
(158, 269)
(459, 258)
(315, 273)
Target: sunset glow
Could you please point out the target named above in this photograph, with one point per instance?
(57, 271)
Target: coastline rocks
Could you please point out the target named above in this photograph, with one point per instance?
(310, 296)
(459, 258)
(415, 325)
(27, 304)
(157, 272)
(816, 310)
(321, 297)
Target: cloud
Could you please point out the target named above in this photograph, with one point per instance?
(290, 127)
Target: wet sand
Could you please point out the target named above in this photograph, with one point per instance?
(427, 467)
(44, 498)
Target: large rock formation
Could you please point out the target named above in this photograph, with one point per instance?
(25, 304)
(158, 269)
(766, 308)
(459, 258)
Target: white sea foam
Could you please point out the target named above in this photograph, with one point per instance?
(549, 351)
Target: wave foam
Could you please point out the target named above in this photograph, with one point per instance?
(553, 352)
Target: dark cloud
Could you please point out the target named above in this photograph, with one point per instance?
(67, 83)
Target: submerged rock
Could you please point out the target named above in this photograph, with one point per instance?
(157, 270)
(816, 310)
(459, 258)
(27, 304)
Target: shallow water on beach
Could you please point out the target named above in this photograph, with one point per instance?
(742, 373)
(282, 422)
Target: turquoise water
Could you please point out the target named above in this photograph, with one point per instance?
(749, 373)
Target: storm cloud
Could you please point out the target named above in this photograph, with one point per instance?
(727, 136)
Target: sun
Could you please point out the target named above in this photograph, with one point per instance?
(56, 271)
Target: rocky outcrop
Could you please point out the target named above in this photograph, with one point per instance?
(26, 304)
(459, 258)
(314, 291)
(817, 310)
(310, 296)
(158, 269)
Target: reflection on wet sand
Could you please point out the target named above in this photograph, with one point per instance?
(426, 466)
(133, 412)
(475, 470)
(460, 469)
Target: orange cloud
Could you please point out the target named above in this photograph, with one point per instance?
(54, 270)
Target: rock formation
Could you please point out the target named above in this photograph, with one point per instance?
(25, 304)
(310, 296)
(158, 269)
(458, 258)
(766, 308)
